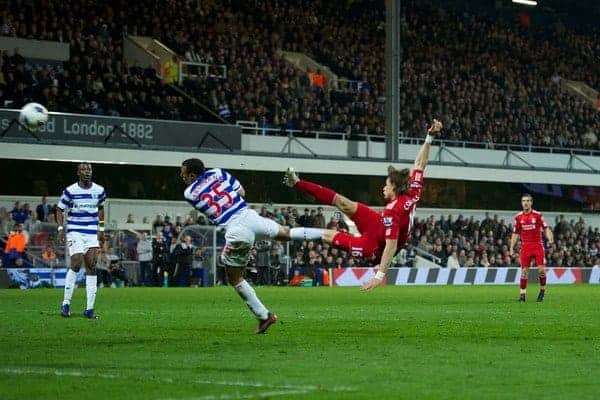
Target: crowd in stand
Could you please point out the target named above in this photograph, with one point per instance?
(23, 227)
(489, 79)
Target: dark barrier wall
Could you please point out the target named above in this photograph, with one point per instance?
(147, 132)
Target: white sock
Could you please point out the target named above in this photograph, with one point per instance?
(306, 233)
(247, 293)
(91, 286)
(69, 286)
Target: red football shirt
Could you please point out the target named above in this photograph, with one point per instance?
(530, 226)
(397, 216)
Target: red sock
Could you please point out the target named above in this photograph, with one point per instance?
(542, 279)
(523, 283)
(322, 194)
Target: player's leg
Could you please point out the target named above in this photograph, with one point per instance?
(248, 294)
(356, 246)
(523, 284)
(540, 261)
(238, 243)
(321, 194)
(75, 251)
(91, 281)
(368, 222)
(525, 262)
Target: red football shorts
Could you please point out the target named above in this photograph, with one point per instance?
(372, 240)
(532, 253)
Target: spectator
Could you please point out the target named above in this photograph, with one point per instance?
(183, 255)
(43, 210)
(319, 218)
(199, 269)
(160, 257)
(49, 255)
(305, 220)
(317, 80)
(19, 214)
(145, 255)
(158, 222)
(117, 273)
(5, 222)
(453, 261)
(16, 243)
(103, 266)
(167, 233)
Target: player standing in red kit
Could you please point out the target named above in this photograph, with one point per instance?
(382, 235)
(529, 225)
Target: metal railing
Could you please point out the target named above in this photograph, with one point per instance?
(425, 254)
(253, 127)
(190, 69)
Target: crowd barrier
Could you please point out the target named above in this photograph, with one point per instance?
(463, 276)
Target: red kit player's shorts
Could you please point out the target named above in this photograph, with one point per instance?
(529, 253)
(372, 240)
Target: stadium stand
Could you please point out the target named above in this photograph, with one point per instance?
(504, 89)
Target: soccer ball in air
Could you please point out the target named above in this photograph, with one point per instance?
(33, 116)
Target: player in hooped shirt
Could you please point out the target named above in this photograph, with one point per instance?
(220, 197)
(528, 224)
(382, 235)
(85, 230)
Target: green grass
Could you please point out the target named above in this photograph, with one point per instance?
(391, 343)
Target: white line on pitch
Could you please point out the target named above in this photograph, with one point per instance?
(245, 396)
(80, 374)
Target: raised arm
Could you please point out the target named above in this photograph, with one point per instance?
(423, 155)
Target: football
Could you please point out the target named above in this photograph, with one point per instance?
(33, 116)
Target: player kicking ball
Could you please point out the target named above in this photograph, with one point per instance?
(220, 197)
(382, 234)
(528, 224)
(85, 232)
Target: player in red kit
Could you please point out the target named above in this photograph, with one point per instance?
(382, 235)
(528, 224)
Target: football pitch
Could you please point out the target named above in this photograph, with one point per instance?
(330, 343)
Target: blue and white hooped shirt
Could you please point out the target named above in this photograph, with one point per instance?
(215, 195)
(83, 207)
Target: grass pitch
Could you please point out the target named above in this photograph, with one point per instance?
(331, 343)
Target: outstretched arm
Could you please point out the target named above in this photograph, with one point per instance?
(423, 156)
(391, 245)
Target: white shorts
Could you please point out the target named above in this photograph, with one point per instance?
(240, 234)
(81, 242)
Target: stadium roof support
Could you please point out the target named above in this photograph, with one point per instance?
(392, 81)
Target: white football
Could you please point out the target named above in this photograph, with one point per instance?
(33, 115)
